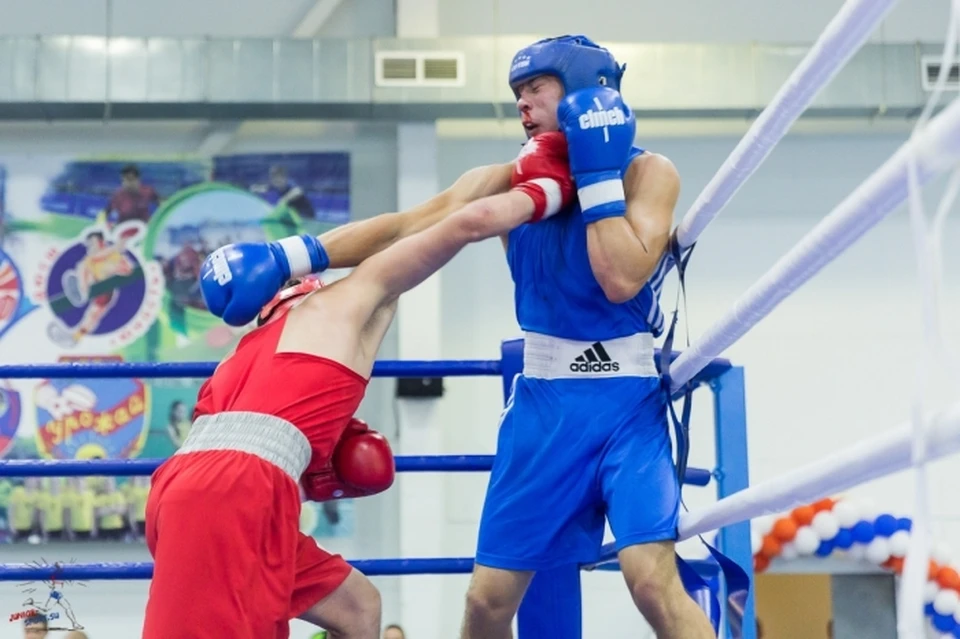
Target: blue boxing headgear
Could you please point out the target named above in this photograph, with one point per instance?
(576, 60)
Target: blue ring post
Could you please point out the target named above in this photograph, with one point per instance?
(552, 606)
(733, 475)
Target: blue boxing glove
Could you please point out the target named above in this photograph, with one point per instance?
(600, 129)
(237, 280)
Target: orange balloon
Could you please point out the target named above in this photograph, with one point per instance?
(895, 564)
(933, 570)
(824, 504)
(770, 547)
(760, 563)
(784, 530)
(947, 577)
(803, 515)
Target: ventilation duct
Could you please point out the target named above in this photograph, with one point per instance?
(421, 79)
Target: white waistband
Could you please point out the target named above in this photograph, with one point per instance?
(268, 437)
(549, 357)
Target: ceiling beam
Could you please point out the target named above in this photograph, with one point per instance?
(314, 19)
(217, 138)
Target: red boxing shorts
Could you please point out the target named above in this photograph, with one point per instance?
(223, 528)
(223, 515)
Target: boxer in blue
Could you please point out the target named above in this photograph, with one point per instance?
(585, 433)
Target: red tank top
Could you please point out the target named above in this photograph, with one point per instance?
(317, 395)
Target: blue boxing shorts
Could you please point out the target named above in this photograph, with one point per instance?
(584, 435)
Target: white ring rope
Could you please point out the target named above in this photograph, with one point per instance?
(937, 148)
(933, 148)
(843, 37)
(911, 620)
(870, 459)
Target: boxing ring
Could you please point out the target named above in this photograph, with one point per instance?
(552, 606)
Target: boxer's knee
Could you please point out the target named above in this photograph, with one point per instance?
(352, 611)
(650, 571)
(367, 610)
(495, 595)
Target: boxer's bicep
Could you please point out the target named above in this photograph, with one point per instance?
(652, 195)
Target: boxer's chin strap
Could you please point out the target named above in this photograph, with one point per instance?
(681, 424)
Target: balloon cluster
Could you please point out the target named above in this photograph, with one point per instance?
(856, 529)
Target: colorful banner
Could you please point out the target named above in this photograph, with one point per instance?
(99, 261)
(91, 419)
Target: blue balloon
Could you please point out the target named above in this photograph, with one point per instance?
(885, 525)
(928, 610)
(825, 548)
(863, 532)
(904, 523)
(944, 623)
(844, 539)
(956, 630)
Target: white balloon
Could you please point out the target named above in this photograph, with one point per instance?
(807, 541)
(956, 613)
(878, 550)
(942, 553)
(857, 552)
(868, 510)
(847, 513)
(763, 525)
(789, 551)
(899, 543)
(756, 542)
(826, 525)
(945, 603)
(930, 590)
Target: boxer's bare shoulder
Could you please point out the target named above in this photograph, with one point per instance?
(329, 323)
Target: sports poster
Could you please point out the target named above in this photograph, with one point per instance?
(99, 262)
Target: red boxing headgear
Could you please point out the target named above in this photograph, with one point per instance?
(287, 297)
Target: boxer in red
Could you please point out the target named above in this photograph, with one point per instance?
(223, 513)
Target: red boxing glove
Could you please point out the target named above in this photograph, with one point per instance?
(361, 465)
(543, 172)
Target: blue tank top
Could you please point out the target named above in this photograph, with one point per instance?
(555, 290)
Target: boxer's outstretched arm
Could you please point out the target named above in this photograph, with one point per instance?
(352, 243)
(412, 260)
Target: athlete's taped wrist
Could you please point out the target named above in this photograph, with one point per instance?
(546, 194)
(601, 196)
(301, 255)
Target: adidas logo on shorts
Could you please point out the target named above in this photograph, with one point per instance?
(594, 360)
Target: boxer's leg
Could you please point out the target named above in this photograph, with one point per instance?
(642, 494)
(540, 510)
(330, 594)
